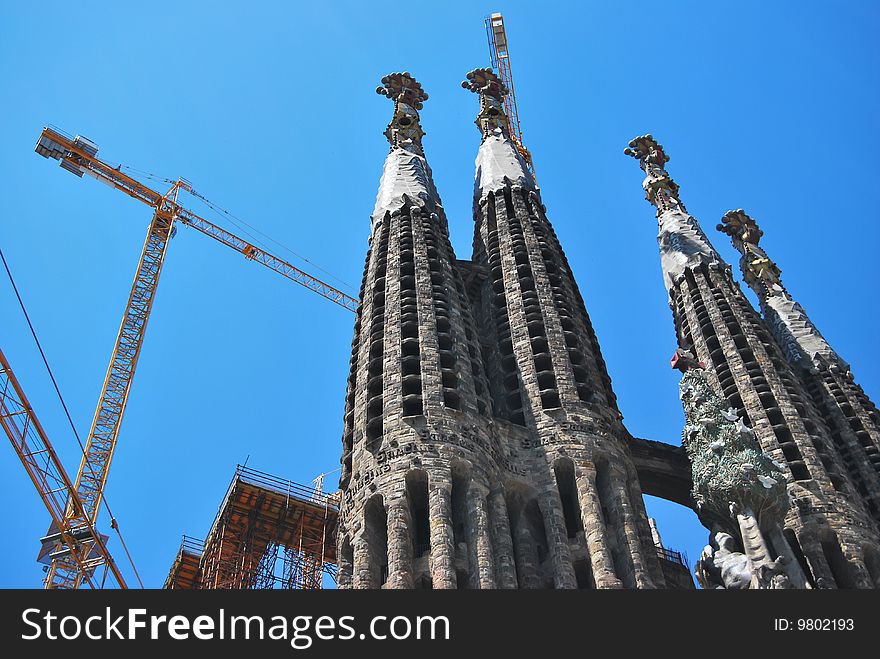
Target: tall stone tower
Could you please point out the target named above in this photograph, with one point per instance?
(482, 447)
(851, 417)
(551, 392)
(829, 527)
(415, 445)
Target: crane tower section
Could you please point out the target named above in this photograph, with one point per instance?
(500, 59)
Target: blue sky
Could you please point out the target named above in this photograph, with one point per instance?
(269, 108)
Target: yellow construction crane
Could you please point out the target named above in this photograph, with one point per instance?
(72, 536)
(78, 155)
(499, 56)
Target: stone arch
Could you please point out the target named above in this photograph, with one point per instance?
(417, 497)
(564, 472)
(375, 535)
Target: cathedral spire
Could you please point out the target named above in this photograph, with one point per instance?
(499, 163)
(801, 340)
(682, 242)
(407, 176)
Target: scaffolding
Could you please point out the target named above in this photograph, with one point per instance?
(269, 533)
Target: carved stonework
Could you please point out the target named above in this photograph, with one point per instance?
(408, 96)
(492, 91)
(737, 488)
(760, 272)
(660, 189)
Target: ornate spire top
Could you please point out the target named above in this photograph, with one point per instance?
(403, 87)
(647, 150)
(660, 189)
(492, 91)
(485, 81)
(404, 131)
(758, 270)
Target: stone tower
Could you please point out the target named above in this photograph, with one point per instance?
(851, 417)
(551, 392)
(482, 444)
(829, 527)
(416, 404)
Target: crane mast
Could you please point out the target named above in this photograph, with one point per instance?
(78, 155)
(499, 56)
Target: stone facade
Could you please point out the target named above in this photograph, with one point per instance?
(830, 526)
(483, 447)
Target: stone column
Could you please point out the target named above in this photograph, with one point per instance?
(399, 544)
(595, 529)
(526, 559)
(363, 575)
(557, 539)
(505, 566)
(627, 517)
(812, 549)
(344, 565)
(651, 558)
(442, 546)
(483, 564)
(858, 571)
(793, 568)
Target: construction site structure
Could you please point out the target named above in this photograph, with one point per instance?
(78, 155)
(268, 533)
(73, 540)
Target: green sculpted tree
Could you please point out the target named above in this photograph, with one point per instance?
(739, 490)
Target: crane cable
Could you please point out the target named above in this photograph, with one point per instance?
(237, 221)
(113, 523)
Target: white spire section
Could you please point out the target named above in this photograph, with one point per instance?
(499, 163)
(406, 173)
(683, 245)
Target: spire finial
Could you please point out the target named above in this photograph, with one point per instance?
(403, 87)
(660, 189)
(409, 97)
(492, 91)
(745, 234)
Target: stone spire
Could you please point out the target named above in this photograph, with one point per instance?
(498, 160)
(552, 398)
(416, 468)
(715, 320)
(682, 242)
(852, 417)
(803, 343)
(407, 176)
(739, 489)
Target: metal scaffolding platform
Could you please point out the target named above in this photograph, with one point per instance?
(268, 533)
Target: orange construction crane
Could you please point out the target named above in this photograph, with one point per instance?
(500, 59)
(78, 155)
(73, 536)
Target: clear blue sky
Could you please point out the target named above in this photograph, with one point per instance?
(269, 109)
